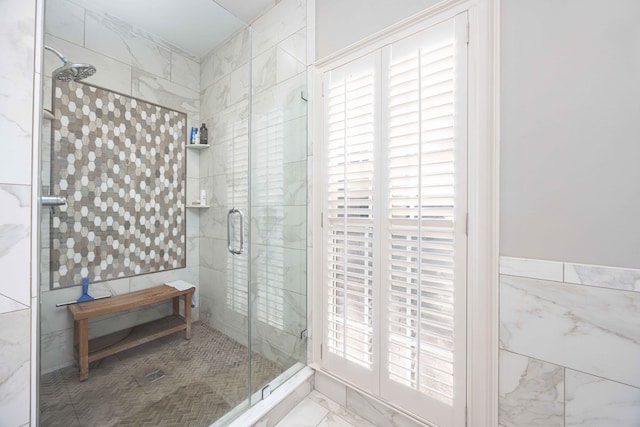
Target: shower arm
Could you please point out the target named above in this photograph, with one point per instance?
(58, 54)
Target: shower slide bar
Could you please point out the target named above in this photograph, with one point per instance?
(230, 247)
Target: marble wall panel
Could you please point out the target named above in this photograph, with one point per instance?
(232, 55)
(15, 349)
(110, 73)
(280, 103)
(214, 223)
(585, 328)
(536, 269)
(376, 412)
(185, 72)
(225, 92)
(607, 277)
(17, 29)
(296, 45)
(531, 392)
(164, 92)
(594, 402)
(117, 39)
(286, 18)
(331, 388)
(65, 20)
(15, 244)
(295, 183)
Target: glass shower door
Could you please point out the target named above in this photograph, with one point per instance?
(278, 288)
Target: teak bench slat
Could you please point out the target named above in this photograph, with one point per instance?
(140, 334)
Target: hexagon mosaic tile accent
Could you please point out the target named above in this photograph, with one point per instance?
(120, 162)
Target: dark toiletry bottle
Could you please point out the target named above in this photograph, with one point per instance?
(204, 134)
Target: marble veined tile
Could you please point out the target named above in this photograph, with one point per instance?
(594, 402)
(281, 104)
(333, 420)
(110, 73)
(607, 277)
(165, 93)
(231, 55)
(65, 20)
(17, 27)
(7, 305)
(296, 45)
(281, 21)
(14, 369)
(338, 415)
(117, 39)
(375, 412)
(327, 387)
(185, 71)
(532, 268)
(306, 414)
(589, 329)
(15, 244)
(531, 392)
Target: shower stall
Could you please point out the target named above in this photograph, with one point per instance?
(121, 189)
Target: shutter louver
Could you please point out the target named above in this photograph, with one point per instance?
(350, 173)
(420, 244)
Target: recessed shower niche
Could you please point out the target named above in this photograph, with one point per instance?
(121, 163)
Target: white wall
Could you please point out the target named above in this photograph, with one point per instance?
(570, 128)
(570, 181)
(340, 23)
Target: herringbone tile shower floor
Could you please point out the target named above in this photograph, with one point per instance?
(203, 379)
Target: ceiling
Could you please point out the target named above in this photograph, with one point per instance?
(192, 25)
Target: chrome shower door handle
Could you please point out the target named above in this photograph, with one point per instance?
(230, 246)
(241, 231)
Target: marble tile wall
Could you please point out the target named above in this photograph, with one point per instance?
(569, 344)
(19, 74)
(141, 65)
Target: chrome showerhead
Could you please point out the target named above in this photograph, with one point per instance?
(74, 72)
(70, 71)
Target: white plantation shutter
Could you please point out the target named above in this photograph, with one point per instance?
(423, 245)
(350, 143)
(395, 222)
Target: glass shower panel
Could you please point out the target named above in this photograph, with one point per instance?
(278, 210)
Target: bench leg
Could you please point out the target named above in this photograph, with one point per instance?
(176, 306)
(83, 347)
(187, 315)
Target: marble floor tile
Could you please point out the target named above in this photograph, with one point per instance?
(306, 414)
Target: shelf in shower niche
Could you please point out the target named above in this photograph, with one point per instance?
(198, 146)
(198, 206)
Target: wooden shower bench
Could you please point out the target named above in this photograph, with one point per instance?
(86, 351)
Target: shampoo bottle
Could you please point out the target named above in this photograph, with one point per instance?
(204, 134)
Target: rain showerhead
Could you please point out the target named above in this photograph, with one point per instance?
(71, 71)
(74, 72)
